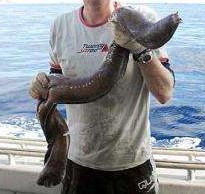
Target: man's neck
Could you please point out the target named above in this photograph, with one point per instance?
(96, 13)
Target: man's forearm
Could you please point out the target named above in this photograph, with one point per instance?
(159, 79)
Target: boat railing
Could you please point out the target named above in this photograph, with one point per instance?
(14, 151)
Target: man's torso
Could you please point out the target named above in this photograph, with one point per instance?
(111, 133)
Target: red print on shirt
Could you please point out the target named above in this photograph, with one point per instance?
(93, 48)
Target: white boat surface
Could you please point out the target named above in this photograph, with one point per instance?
(180, 171)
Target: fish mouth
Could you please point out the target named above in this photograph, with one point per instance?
(176, 18)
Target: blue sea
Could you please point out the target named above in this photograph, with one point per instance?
(24, 33)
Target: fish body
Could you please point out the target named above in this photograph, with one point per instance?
(56, 132)
(63, 90)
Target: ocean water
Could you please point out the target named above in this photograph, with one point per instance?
(24, 33)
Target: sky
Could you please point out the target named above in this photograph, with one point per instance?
(126, 1)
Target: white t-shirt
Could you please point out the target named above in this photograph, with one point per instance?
(113, 132)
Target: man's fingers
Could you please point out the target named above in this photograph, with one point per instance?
(124, 40)
(43, 79)
(34, 94)
(39, 86)
(36, 84)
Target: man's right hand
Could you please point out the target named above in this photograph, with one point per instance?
(125, 40)
(38, 88)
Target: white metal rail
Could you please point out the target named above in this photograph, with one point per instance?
(190, 160)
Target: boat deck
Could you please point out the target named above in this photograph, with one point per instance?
(180, 171)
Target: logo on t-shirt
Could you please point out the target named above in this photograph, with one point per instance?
(93, 48)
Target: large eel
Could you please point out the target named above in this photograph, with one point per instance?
(60, 89)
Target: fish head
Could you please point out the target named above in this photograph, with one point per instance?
(126, 18)
(124, 21)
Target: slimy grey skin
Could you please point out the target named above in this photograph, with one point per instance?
(60, 89)
(56, 132)
(151, 35)
(64, 90)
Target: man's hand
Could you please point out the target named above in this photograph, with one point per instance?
(39, 86)
(124, 40)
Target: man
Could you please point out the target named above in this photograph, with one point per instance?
(110, 148)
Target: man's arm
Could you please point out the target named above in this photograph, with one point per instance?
(157, 73)
(159, 79)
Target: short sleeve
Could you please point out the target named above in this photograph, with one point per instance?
(54, 64)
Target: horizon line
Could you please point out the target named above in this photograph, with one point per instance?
(123, 1)
(43, 3)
